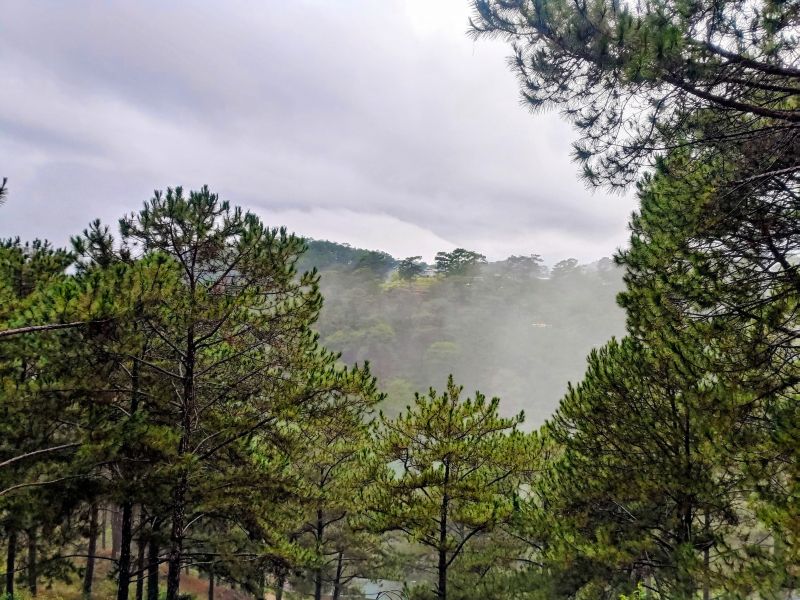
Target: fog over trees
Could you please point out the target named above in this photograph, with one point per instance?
(515, 328)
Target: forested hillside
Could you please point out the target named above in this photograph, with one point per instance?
(516, 328)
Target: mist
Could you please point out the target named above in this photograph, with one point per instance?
(516, 329)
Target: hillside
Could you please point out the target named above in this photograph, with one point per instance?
(514, 328)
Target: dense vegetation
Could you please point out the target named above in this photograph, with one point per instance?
(171, 372)
(513, 328)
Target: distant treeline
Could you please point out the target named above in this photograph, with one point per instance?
(512, 328)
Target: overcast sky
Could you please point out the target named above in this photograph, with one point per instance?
(373, 122)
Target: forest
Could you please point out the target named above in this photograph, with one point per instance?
(416, 324)
(196, 404)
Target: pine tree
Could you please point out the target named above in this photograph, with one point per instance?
(410, 267)
(458, 262)
(455, 467)
(332, 473)
(238, 352)
(637, 80)
(721, 260)
(705, 99)
(41, 475)
(644, 489)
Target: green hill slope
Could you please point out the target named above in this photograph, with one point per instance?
(513, 328)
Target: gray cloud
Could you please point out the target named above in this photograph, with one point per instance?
(377, 123)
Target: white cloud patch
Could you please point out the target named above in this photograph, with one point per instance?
(361, 230)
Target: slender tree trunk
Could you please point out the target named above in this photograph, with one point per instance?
(320, 530)
(33, 574)
(441, 586)
(211, 584)
(261, 586)
(337, 582)
(707, 558)
(687, 581)
(152, 564)
(11, 561)
(103, 529)
(116, 531)
(279, 584)
(140, 555)
(126, 537)
(176, 538)
(182, 485)
(88, 576)
(318, 584)
(124, 564)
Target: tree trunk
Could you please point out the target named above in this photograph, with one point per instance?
(33, 574)
(320, 530)
(176, 539)
(124, 564)
(140, 556)
(11, 561)
(182, 485)
(318, 584)
(103, 528)
(127, 516)
(441, 586)
(152, 564)
(262, 582)
(211, 584)
(88, 576)
(707, 559)
(337, 582)
(279, 586)
(116, 531)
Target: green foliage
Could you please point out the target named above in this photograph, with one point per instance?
(421, 330)
(639, 79)
(638, 594)
(322, 254)
(522, 267)
(710, 262)
(410, 267)
(329, 467)
(644, 478)
(455, 469)
(673, 466)
(564, 268)
(442, 353)
(38, 440)
(180, 403)
(178, 375)
(458, 262)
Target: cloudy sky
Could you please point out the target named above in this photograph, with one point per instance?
(373, 122)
